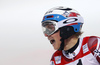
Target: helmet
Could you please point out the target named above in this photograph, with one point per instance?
(65, 19)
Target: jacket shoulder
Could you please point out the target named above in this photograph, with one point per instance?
(92, 42)
(94, 46)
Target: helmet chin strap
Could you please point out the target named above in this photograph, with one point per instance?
(65, 33)
(62, 44)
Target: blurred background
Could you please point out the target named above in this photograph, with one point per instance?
(21, 39)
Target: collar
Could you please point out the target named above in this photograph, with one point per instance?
(71, 53)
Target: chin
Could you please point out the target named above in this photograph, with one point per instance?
(56, 48)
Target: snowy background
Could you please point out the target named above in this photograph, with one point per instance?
(21, 39)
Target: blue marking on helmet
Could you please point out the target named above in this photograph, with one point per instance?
(56, 17)
(77, 27)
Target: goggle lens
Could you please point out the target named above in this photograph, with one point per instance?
(49, 27)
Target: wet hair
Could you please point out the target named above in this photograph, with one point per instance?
(78, 34)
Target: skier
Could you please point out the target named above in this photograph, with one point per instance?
(62, 26)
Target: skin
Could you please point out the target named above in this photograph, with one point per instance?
(69, 43)
(57, 38)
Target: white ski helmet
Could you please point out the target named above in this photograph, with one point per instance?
(59, 17)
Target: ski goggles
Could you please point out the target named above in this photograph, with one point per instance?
(49, 27)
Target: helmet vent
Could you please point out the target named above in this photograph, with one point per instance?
(50, 16)
(66, 9)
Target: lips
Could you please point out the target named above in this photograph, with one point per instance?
(52, 40)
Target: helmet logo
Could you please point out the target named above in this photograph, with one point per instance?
(70, 20)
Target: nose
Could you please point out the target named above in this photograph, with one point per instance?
(47, 35)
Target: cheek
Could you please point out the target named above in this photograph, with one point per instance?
(57, 40)
(57, 36)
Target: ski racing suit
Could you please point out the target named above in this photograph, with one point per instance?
(85, 52)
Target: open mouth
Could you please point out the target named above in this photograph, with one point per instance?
(52, 41)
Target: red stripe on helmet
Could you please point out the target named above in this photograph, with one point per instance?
(73, 14)
(72, 24)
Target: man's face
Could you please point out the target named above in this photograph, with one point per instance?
(55, 40)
